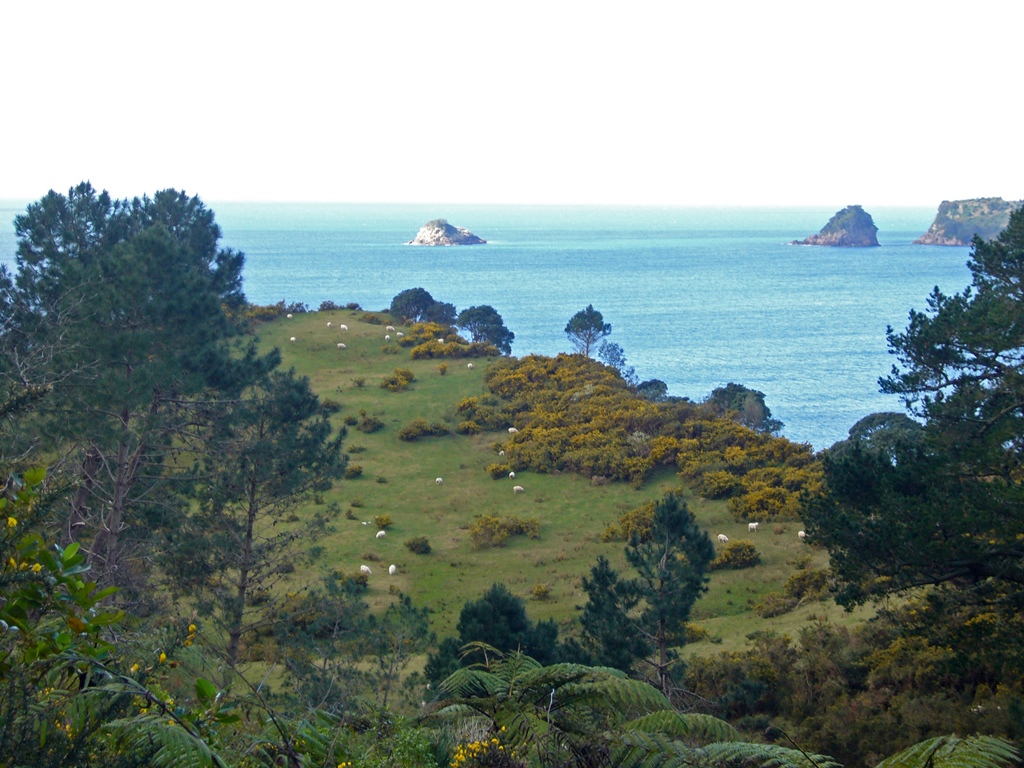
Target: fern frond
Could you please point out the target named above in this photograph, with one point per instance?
(174, 746)
(636, 749)
(468, 682)
(765, 755)
(954, 752)
(621, 694)
(704, 729)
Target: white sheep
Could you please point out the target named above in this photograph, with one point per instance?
(330, 324)
(399, 334)
(513, 431)
(341, 346)
(470, 366)
(366, 522)
(288, 316)
(381, 534)
(511, 475)
(802, 535)
(387, 337)
(723, 539)
(441, 339)
(365, 569)
(292, 339)
(389, 328)
(342, 327)
(752, 527)
(517, 489)
(392, 570)
(501, 453)
(439, 480)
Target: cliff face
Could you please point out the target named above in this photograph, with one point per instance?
(440, 232)
(958, 221)
(851, 227)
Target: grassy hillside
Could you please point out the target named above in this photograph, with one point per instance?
(398, 479)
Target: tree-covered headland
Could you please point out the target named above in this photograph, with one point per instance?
(191, 485)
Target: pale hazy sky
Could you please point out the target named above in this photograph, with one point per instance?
(668, 103)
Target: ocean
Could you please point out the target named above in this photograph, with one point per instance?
(697, 297)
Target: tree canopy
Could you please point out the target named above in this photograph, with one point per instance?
(586, 328)
(941, 504)
(484, 324)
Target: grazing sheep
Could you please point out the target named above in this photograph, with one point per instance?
(399, 334)
(439, 480)
(341, 346)
(441, 339)
(723, 539)
(802, 535)
(392, 570)
(513, 431)
(330, 324)
(387, 337)
(365, 569)
(342, 327)
(288, 316)
(470, 366)
(292, 339)
(366, 522)
(517, 489)
(389, 328)
(381, 534)
(752, 527)
(511, 475)
(501, 453)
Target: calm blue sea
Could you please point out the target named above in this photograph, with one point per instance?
(697, 297)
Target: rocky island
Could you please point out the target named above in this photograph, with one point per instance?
(851, 227)
(440, 232)
(958, 221)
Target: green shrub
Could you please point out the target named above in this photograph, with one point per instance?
(636, 521)
(468, 427)
(418, 545)
(369, 423)
(372, 319)
(540, 592)
(353, 471)
(383, 521)
(807, 584)
(735, 555)
(775, 604)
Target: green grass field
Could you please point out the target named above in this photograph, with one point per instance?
(398, 479)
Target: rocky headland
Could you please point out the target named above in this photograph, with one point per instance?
(440, 232)
(851, 227)
(958, 221)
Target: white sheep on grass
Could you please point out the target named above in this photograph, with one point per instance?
(439, 480)
(802, 535)
(341, 346)
(342, 327)
(513, 431)
(723, 539)
(511, 475)
(292, 339)
(392, 570)
(517, 489)
(381, 534)
(752, 527)
(365, 569)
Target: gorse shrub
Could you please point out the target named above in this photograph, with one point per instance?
(418, 545)
(488, 531)
(420, 427)
(399, 380)
(736, 555)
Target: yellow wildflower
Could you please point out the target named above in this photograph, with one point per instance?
(191, 629)
(12, 522)
(37, 568)
(163, 657)
(135, 668)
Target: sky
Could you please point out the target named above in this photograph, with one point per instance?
(668, 103)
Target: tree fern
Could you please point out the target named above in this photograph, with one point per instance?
(695, 728)
(765, 756)
(954, 752)
(174, 746)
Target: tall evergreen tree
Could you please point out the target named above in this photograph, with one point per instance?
(269, 451)
(586, 328)
(650, 611)
(117, 314)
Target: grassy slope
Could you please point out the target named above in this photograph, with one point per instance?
(571, 511)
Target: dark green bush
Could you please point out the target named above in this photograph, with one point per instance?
(418, 545)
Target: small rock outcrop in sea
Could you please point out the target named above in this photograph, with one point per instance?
(440, 232)
(958, 221)
(851, 227)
